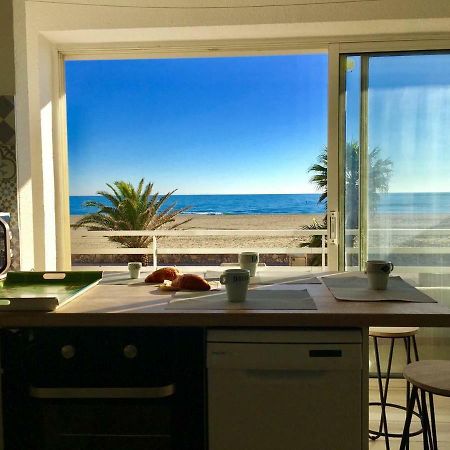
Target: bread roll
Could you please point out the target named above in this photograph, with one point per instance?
(166, 273)
(190, 282)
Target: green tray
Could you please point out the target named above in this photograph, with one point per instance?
(44, 291)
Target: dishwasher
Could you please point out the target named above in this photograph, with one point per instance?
(285, 390)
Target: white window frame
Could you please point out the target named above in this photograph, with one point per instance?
(42, 147)
(362, 48)
(202, 50)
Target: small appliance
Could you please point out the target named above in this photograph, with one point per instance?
(5, 244)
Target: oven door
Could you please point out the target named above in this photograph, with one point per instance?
(104, 418)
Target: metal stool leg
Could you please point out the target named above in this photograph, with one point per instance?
(383, 428)
(426, 422)
(416, 352)
(409, 414)
(416, 355)
(407, 341)
(433, 422)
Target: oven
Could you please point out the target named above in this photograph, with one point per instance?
(110, 388)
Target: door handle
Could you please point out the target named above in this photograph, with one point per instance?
(325, 353)
(116, 392)
(333, 227)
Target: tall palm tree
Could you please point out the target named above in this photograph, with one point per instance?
(380, 173)
(319, 178)
(126, 207)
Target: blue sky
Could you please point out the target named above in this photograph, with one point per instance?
(246, 125)
(409, 117)
(203, 126)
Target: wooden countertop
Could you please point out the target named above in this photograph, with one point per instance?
(144, 305)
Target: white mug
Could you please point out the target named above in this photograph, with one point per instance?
(378, 274)
(236, 282)
(249, 261)
(135, 269)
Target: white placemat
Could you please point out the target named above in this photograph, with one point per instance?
(355, 288)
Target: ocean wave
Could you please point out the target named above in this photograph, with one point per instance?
(204, 213)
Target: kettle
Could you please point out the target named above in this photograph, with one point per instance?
(5, 244)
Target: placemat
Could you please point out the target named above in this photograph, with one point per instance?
(121, 278)
(256, 299)
(308, 280)
(355, 289)
(266, 278)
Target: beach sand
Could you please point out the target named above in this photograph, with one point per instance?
(222, 222)
(417, 238)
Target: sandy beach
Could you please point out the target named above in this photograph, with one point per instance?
(223, 222)
(417, 223)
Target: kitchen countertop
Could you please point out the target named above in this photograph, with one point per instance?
(144, 305)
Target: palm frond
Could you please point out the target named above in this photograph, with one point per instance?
(126, 207)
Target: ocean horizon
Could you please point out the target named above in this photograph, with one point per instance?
(254, 204)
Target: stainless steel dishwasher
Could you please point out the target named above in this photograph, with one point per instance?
(285, 390)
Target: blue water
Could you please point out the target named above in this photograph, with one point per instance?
(288, 203)
(230, 204)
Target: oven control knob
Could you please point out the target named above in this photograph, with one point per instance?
(68, 351)
(130, 351)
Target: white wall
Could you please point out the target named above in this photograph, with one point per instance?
(42, 28)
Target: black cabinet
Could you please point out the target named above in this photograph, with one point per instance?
(109, 388)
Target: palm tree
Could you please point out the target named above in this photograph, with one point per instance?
(127, 207)
(380, 173)
(320, 176)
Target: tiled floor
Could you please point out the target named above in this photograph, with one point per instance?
(396, 418)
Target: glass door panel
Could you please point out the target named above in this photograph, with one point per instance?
(403, 164)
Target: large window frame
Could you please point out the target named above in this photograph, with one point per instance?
(42, 141)
(61, 174)
(365, 50)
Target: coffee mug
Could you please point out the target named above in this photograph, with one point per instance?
(378, 274)
(135, 269)
(236, 282)
(249, 261)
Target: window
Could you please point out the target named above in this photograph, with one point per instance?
(235, 137)
(397, 194)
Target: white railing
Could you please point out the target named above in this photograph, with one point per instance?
(155, 250)
(408, 250)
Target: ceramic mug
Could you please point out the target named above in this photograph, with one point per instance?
(236, 282)
(249, 261)
(378, 274)
(135, 269)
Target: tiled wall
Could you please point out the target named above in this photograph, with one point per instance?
(8, 170)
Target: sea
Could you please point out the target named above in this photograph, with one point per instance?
(398, 203)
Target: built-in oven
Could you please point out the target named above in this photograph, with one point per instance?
(109, 389)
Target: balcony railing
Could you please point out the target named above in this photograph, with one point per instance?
(155, 249)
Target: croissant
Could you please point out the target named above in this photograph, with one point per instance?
(190, 282)
(166, 273)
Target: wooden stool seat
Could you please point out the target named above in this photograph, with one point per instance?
(392, 332)
(430, 375)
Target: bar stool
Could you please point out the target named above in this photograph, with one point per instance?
(432, 377)
(408, 335)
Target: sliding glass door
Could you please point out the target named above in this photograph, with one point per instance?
(396, 154)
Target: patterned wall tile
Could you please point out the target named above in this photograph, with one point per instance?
(8, 171)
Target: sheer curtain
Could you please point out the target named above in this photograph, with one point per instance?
(398, 169)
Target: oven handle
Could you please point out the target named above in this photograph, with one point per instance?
(110, 392)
